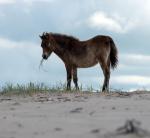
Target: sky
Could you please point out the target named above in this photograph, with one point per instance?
(22, 21)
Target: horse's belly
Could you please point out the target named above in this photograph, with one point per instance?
(86, 65)
(85, 62)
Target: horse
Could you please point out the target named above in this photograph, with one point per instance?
(81, 54)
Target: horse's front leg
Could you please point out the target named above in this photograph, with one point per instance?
(75, 78)
(69, 77)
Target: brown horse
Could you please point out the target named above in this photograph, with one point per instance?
(81, 54)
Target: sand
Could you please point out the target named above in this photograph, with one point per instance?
(75, 115)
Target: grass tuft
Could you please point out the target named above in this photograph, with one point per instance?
(30, 89)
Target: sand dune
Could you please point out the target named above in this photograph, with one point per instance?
(76, 115)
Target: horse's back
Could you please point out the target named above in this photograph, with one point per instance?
(100, 39)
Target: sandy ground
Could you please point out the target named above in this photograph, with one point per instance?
(76, 115)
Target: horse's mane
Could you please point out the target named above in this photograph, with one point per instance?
(63, 36)
(65, 41)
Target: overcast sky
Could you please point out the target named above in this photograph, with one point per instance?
(22, 21)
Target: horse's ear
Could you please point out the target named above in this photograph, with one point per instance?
(40, 36)
(47, 35)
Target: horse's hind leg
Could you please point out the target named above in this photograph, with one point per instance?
(106, 71)
(69, 77)
(75, 78)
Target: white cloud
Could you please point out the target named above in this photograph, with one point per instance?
(131, 79)
(7, 1)
(115, 23)
(27, 1)
(143, 11)
(135, 59)
(5, 43)
(30, 2)
(8, 44)
(135, 71)
(20, 64)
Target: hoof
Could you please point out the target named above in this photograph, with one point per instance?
(68, 89)
(105, 90)
(77, 88)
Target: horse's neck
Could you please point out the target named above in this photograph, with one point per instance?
(59, 51)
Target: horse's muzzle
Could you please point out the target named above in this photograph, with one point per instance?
(44, 57)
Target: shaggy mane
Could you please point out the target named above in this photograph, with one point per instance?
(65, 41)
(63, 36)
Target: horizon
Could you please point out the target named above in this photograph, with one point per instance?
(22, 21)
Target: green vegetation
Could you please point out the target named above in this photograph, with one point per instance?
(31, 88)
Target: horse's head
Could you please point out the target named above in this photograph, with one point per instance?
(46, 45)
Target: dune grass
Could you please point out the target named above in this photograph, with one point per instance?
(34, 88)
(31, 88)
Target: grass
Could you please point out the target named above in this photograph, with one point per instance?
(33, 88)
(30, 89)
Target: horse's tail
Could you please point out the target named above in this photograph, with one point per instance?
(113, 54)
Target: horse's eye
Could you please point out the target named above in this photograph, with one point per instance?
(43, 44)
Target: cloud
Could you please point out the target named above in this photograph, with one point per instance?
(30, 2)
(132, 79)
(9, 44)
(20, 51)
(143, 12)
(132, 72)
(7, 1)
(135, 59)
(38, 0)
(20, 64)
(101, 20)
